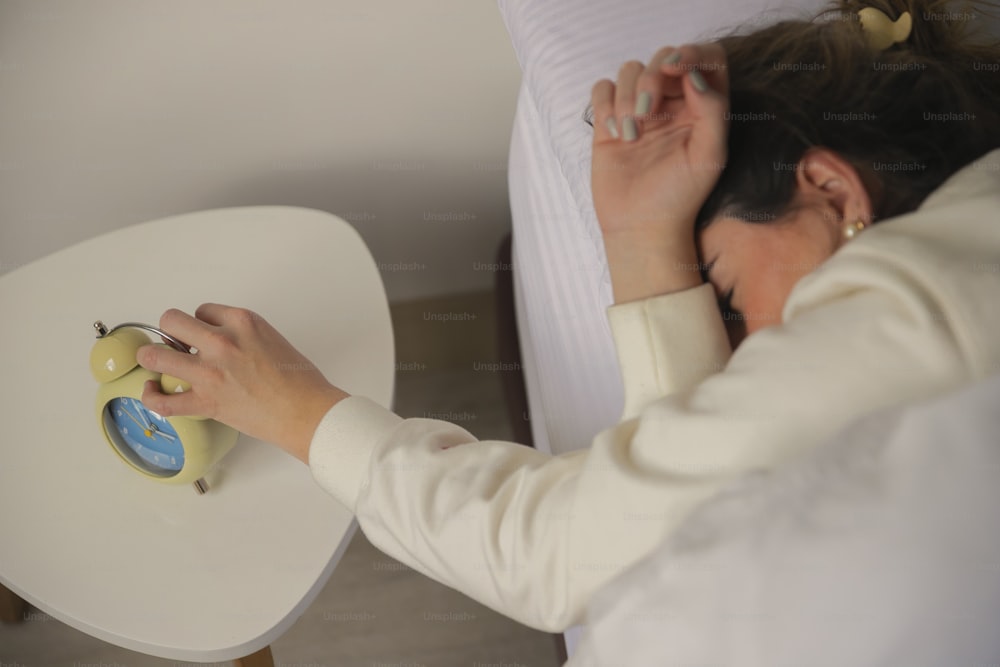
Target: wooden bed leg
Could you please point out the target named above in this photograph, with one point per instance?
(261, 658)
(12, 607)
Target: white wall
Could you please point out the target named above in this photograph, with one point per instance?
(394, 114)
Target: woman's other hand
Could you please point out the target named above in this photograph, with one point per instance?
(659, 148)
(659, 140)
(245, 374)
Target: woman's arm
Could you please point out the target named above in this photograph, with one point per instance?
(534, 536)
(659, 147)
(503, 523)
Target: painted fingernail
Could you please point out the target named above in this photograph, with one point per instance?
(699, 81)
(673, 58)
(643, 103)
(629, 130)
(612, 127)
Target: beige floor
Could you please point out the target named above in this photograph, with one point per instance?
(374, 612)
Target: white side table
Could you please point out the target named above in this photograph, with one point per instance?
(152, 567)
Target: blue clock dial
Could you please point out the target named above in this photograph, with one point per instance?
(143, 437)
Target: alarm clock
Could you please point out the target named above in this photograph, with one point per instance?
(173, 450)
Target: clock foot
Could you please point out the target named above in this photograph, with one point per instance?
(201, 486)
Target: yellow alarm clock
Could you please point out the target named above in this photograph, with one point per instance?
(174, 450)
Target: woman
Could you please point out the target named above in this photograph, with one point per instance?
(826, 329)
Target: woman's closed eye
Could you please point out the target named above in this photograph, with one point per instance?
(733, 319)
(726, 304)
(736, 326)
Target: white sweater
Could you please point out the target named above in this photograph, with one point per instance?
(906, 311)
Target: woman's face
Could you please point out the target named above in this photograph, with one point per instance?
(760, 262)
(753, 266)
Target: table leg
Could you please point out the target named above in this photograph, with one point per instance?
(261, 658)
(12, 608)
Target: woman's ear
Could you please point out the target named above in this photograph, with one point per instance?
(827, 180)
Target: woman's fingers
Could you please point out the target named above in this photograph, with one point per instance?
(225, 316)
(703, 63)
(702, 68)
(653, 85)
(189, 367)
(625, 99)
(707, 142)
(191, 330)
(602, 100)
(212, 313)
(208, 332)
(644, 93)
(183, 404)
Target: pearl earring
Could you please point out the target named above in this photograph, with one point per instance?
(853, 229)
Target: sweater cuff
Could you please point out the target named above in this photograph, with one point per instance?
(667, 343)
(343, 443)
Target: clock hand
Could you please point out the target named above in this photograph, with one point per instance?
(165, 435)
(151, 429)
(142, 416)
(132, 417)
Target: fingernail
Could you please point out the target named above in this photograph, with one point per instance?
(643, 103)
(612, 127)
(699, 81)
(673, 58)
(629, 130)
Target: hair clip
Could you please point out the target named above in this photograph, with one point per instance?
(881, 31)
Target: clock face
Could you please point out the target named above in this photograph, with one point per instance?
(143, 437)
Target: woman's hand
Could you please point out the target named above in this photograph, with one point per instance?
(659, 148)
(245, 374)
(659, 140)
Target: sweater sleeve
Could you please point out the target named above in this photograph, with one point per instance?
(534, 536)
(493, 520)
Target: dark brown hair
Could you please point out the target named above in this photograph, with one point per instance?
(906, 118)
